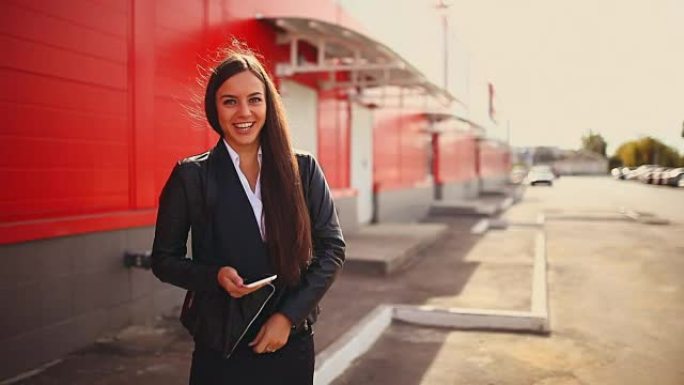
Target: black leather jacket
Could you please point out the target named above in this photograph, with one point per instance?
(215, 319)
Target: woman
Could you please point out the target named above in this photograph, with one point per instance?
(255, 209)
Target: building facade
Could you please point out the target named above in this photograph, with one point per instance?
(99, 100)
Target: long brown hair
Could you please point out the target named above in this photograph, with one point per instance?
(288, 227)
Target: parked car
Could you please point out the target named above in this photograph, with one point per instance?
(653, 175)
(675, 177)
(628, 173)
(660, 176)
(617, 173)
(640, 173)
(540, 175)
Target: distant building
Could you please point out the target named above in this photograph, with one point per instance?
(581, 163)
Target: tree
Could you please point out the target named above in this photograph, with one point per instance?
(648, 150)
(594, 143)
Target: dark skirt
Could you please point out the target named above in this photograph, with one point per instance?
(293, 364)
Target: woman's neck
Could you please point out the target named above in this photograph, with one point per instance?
(247, 153)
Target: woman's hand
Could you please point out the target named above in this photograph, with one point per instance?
(231, 282)
(273, 334)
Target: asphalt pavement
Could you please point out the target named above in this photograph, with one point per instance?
(615, 294)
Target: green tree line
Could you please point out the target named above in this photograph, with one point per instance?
(646, 150)
(634, 153)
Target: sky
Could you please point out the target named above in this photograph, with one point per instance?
(560, 67)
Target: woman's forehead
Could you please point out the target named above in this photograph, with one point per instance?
(241, 83)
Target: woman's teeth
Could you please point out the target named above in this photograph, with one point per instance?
(243, 126)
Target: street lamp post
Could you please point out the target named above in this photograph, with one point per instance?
(444, 5)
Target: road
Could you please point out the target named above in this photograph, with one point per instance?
(616, 298)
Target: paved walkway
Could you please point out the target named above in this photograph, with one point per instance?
(446, 265)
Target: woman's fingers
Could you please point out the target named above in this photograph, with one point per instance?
(258, 337)
(272, 336)
(231, 281)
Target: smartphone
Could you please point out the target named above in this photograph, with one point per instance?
(261, 282)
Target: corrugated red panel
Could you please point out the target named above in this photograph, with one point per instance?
(95, 16)
(401, 148)
(333, 138)
(63, 111)
(35, 26)
(494, 160)
(456, 157)
(94, 98)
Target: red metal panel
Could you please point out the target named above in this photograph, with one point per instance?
(386, 146)
(29, 25)
(29, 121)
(84, 13)
(94, 98)
(415, 144)
(457, 157)
(51, 93)
(32, 57)
(141, 67)
(177, 48)
(495, 160)
(63, 108)
(333, 138)
(400, 149)
(31, 230)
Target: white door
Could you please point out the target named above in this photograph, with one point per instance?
(301, 104)
(362, 160)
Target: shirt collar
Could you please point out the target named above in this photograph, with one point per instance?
(235, 157)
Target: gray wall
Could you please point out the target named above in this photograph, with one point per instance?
(60, 294)
(460, 190)
(493, 184)
(406, 205)
(347, 211)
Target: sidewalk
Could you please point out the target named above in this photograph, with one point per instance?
(437, 262)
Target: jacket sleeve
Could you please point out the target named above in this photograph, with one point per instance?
(169, 262)
(328, 249)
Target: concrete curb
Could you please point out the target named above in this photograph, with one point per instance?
(648, 219)
(480, 227)
(30, 373)
(335, 359)
(471, 319)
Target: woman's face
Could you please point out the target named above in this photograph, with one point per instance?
(241, 106)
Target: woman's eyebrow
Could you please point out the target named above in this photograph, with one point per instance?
(235, 97)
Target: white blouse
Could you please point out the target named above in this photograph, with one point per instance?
(253, 196)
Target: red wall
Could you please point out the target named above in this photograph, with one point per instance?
(64, 109)
(400, 149)
(94, 100)
(333, 138)
(456, 157)
(494, 160)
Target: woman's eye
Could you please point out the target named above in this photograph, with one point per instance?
(229, 102)
(255, 99)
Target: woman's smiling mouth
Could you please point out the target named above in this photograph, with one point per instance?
(243, 126)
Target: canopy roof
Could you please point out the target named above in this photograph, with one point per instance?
(369, 63)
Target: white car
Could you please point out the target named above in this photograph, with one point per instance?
(540, 175)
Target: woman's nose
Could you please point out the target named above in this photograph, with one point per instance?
(243, 110)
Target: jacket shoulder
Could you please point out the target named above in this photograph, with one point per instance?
(305, 159)
(195, 159)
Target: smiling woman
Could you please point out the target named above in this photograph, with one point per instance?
(255, 209)
(241, 110)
